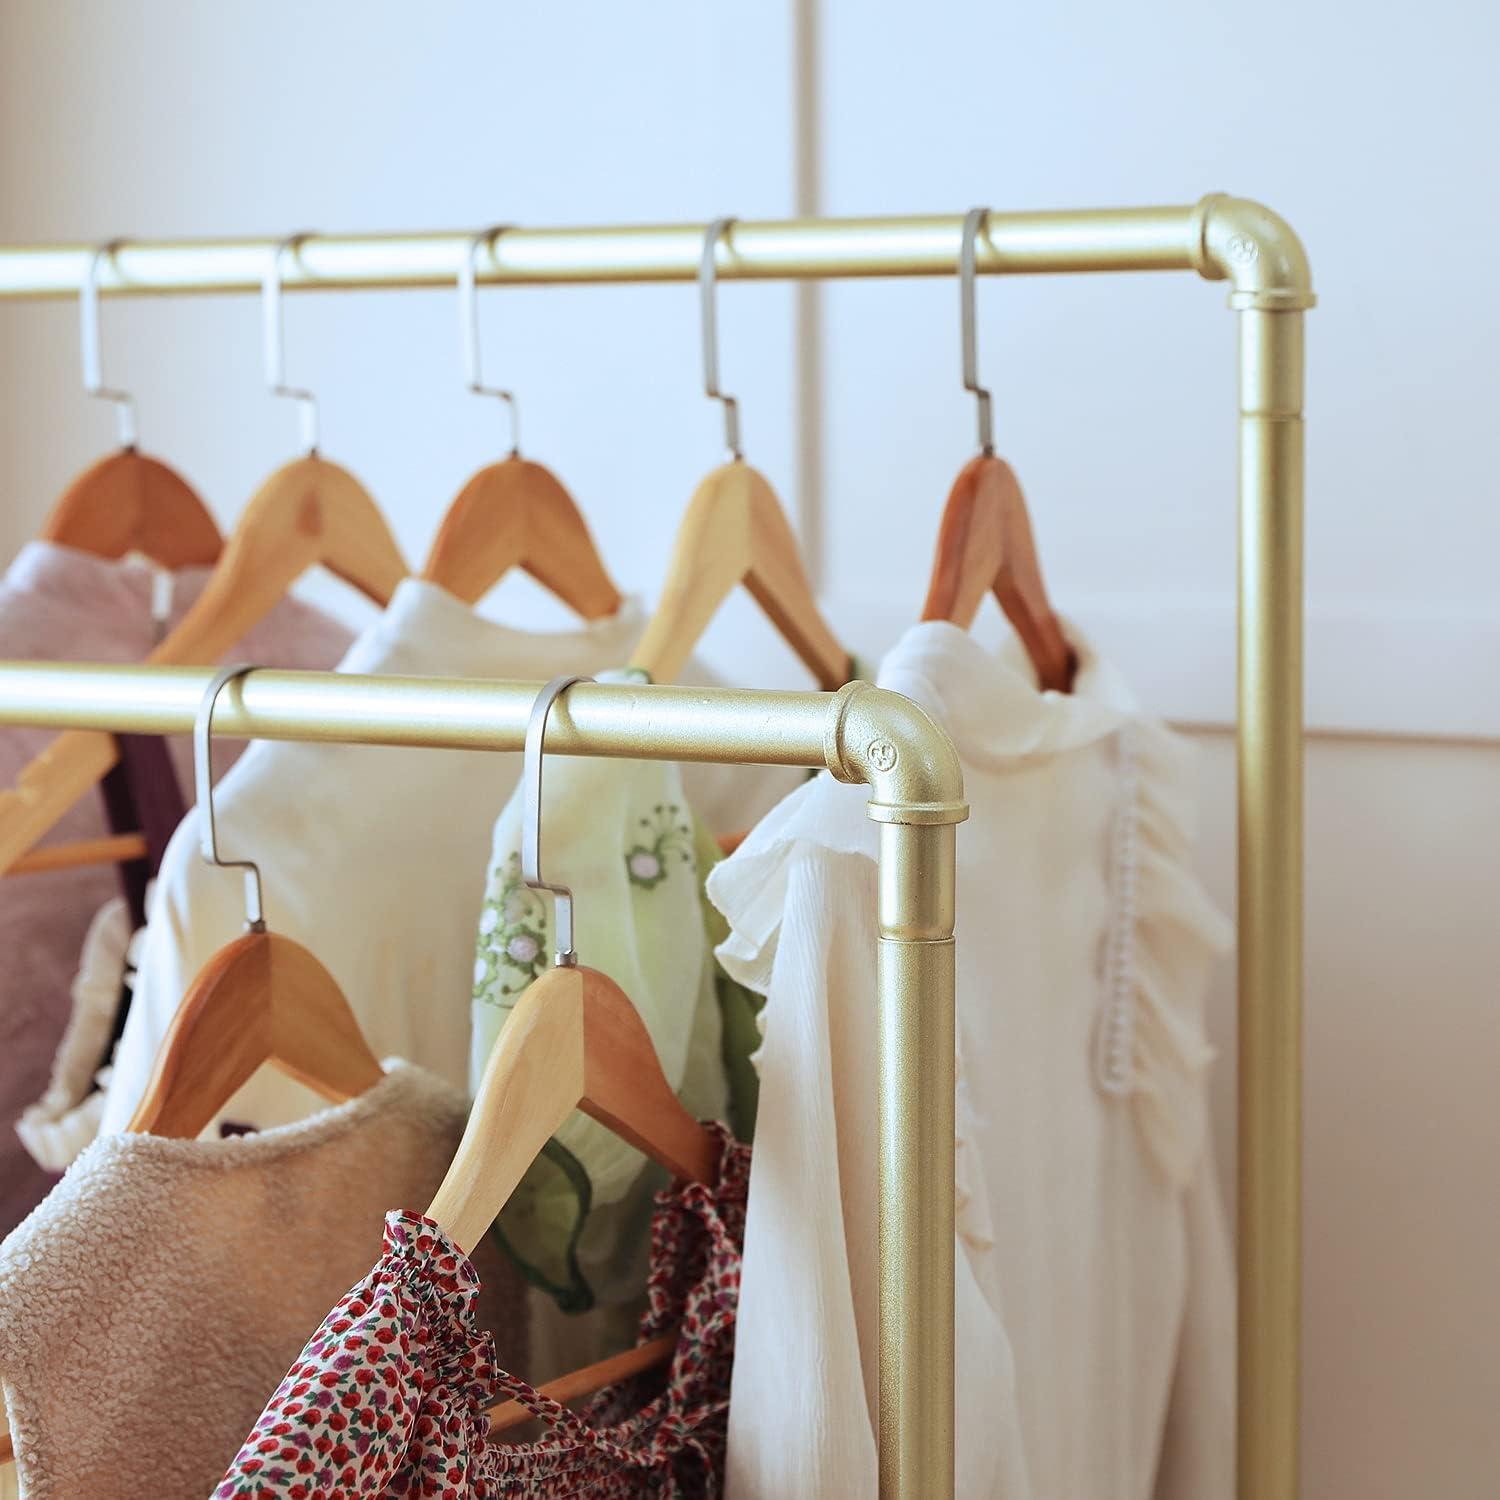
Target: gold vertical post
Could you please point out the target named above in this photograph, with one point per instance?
(916, 796)
(1270, 903)
(916, 1070)
(1250, 246)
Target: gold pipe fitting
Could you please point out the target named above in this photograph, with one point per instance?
(893, 746)
(1244, 242)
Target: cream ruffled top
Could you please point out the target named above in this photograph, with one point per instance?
(1088, 1222)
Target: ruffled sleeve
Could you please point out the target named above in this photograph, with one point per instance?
(389, 1395)
(1165, 936)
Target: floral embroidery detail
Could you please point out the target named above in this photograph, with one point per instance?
(512, 947)
(390, 1395)
(669, 835)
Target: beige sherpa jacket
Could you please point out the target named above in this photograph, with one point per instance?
(151, 1304)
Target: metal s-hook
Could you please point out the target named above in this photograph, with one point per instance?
(531, 817)
(708, 280)
(88, 339)
(273, 330)
(468, 313)
(974, 220)
(203, 779)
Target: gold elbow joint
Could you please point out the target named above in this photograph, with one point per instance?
(885, 740)
(1245, 243)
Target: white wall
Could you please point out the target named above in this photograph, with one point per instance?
(1114, 397)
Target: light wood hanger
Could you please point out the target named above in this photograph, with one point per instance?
(515, 513)
(262, 998)
(735, 531)
(572, 1041)
(127, 502)
(985, 542)
(310, 511)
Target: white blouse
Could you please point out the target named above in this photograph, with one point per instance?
(1094, 1283)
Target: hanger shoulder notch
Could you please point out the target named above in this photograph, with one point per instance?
(129, 502)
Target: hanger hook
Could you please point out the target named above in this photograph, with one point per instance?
(531, 817)
(468, 312)
(203, 778)
(273, 328)
(708, 280)
(88, 332)
(974, 220)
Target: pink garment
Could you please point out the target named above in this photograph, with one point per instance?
(59, 604)
(390, 1396)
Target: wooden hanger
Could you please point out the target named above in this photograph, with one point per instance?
(572, 1041)
(125, 503)
(735, 531)
(128, 502)
(985, 541)
(261, 998)
(309, 511)
(518, 514)
(985, 545)
(515, 513)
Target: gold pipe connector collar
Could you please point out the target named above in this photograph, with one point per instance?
(894, 747)
(1244, 242)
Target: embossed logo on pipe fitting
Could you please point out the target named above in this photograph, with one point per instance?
(882, 755)
(1242, 248)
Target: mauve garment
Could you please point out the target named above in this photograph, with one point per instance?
(59, 604)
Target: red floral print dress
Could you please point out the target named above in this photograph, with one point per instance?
(390, 1395)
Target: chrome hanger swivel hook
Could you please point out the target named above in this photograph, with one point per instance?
(468, 296)
(531, 817)
(708, 280)
(974, 220)
(203, 780)
(88, 337)
(273, 329)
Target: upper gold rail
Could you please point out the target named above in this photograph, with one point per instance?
(1219, 237)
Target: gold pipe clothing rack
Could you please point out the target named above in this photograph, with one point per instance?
(863, 734)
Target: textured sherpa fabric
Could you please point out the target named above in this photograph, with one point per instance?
(153, 1302)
